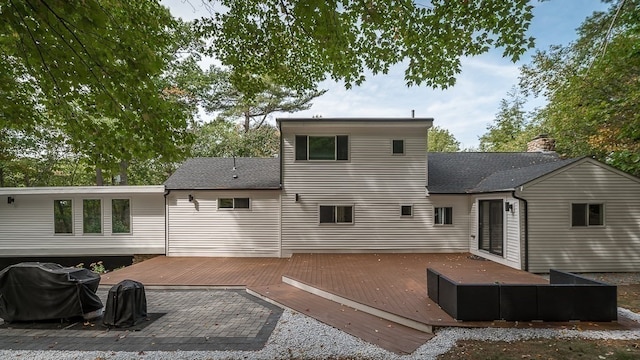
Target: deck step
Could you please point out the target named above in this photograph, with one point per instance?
(373, 329)
(358, 305)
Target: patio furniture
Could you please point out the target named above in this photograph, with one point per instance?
(31, 291)
(126, 304)
(567, 297)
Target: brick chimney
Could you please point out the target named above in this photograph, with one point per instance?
(541, 143)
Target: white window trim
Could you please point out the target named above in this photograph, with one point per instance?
(587, 226)
(353, 215)
(335, 150)
(130, 216)
(452, 215)
(406, 216)
(73, 218)
(234, 208)
(102, 214)
(404, 147)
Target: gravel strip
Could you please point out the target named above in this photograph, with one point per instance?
(300, 337)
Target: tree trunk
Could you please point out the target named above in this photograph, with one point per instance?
(124, 166)
(247, 121)
(99, 178)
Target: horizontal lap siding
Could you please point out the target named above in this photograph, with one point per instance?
(26, 227)
(374, 181)
(553, 243)
(512, 252)
(200, 229)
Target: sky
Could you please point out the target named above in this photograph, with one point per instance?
(465, 109)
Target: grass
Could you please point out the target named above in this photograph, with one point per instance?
(628, 298)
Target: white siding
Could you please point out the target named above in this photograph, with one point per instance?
(553, 243)
(512, 231)
(199, 229)
(26, 226)
(375, 182)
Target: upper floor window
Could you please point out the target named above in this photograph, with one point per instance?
(336, 214)
(443, 216)
(397, 147)
(233, 203)
(63, 216)
(322, 147)
(587, 214)
(91, 216)
(120, 216)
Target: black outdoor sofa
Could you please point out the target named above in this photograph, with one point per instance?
(567, 297)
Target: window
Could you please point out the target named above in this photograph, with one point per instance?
(336, 214)
(233, 203)
(322, 147)
(587, 215)
(443, 216)
(406, 210)
(397, 147)
(120, 216)
(91, 216)
(63, 216)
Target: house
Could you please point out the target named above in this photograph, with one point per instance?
(75, 222)
(369, 185)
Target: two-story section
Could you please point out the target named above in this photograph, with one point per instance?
(354, 185)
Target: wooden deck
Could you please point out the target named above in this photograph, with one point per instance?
(392, 288)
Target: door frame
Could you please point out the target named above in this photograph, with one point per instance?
(495, 226)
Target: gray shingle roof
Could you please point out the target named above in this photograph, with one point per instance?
(218, 174)
(468, 172)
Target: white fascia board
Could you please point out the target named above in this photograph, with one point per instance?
(143, 189)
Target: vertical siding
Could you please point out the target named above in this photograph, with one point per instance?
(512, 231)
(375, 182)
(26, 227)
(553, 243)
(200, 229)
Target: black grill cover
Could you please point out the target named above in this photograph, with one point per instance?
(126, 304)
(42, 291)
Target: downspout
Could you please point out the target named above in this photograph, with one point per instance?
(526, 229)
(166, 221)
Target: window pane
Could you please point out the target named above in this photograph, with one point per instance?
(443, 216)
(322, 147)
(596, 215)
(241, 203)
(225, 203)
(301, 147)
(343, 147)
(448, 216)
(120, 216)
(344, 214)
(91, 216)
(398, 146)
(327, 214)
(406, 210)
(63, 216)
(578, 214)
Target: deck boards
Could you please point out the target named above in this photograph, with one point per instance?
(388, 335)
(395, 283)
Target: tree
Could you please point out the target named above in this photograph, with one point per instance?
(222, 138)
(512, 128)
(299, 43)
(94, 71)
(441, 140)
(593, 88)
(253, 109)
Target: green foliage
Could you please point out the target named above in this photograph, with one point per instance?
(441, 140)
(98, 267)
(593, 88)
(512, 128)
(222, 138)
(299, 43)
(94, 73)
